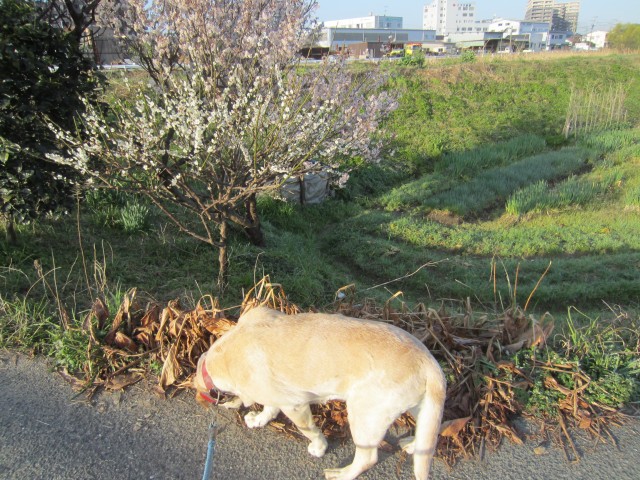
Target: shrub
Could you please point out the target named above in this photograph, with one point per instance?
(115, 209)
(468, 56)
(134, 217)
(417, 59)
(43, 74)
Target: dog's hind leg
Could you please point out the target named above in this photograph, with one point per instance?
(260, 419)
(408, 444)
(302, 418)
(369, 424)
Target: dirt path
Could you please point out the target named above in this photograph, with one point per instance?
(48, 433)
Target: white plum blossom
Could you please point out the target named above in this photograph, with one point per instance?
(233, 112)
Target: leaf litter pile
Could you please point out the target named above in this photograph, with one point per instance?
(497, 366)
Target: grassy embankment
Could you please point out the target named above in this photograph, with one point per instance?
(482, 188)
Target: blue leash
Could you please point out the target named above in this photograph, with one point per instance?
(208, 465)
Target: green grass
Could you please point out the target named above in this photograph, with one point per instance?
(466, 139)
(493, 186)
(603, 348)
(25, 324)
(612, 140)
(468, 163)
(540, 196)
(453, 167)
(460, 107)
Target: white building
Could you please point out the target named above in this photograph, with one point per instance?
(598, 38)
(522, 34)
(449, 16)
(368, 36)
(339, 39)
(372, 21)
(504, 35)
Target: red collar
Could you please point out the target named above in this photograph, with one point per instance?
(213, 396)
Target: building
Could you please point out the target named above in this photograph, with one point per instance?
(368, 42)
(366, 37)
(372, 21)
(562, 16)
(521, 35)
(449, 16)
(597, 38)
(505, 35)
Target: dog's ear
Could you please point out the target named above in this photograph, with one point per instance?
(197, 381)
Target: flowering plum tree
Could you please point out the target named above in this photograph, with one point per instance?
(233, 112)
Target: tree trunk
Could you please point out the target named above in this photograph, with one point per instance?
(254, 232)
(10, 232)
(223, 259)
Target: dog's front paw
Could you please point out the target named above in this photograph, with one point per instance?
(253, 420)
(318, 447)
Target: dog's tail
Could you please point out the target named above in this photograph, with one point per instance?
(428, 422)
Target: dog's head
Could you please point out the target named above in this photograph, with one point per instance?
(206, 392)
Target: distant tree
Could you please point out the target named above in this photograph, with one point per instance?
(625, 36)
(234, 112)
(74, 16)
(42, 73)
(85, 20)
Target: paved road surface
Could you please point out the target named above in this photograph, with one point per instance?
(48, 433)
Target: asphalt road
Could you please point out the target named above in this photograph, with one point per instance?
(46, 432)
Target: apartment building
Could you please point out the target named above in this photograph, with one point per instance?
(562, 16)
(449, 17)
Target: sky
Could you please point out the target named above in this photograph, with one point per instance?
(594, 14)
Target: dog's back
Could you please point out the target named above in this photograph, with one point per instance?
(325, 354)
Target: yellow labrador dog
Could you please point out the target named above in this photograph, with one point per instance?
(286, 362)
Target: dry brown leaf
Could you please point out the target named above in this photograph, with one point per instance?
(170, 370)
(123, 380)
(386, 447)
(467, 342)
(151, 317)
(217, 326)
(122, 341)
(508, 432)
(451, 428)
(585, 421)
(146, 338)
(100, 312)
(165, 317)
(122, 315)
(515, 347)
